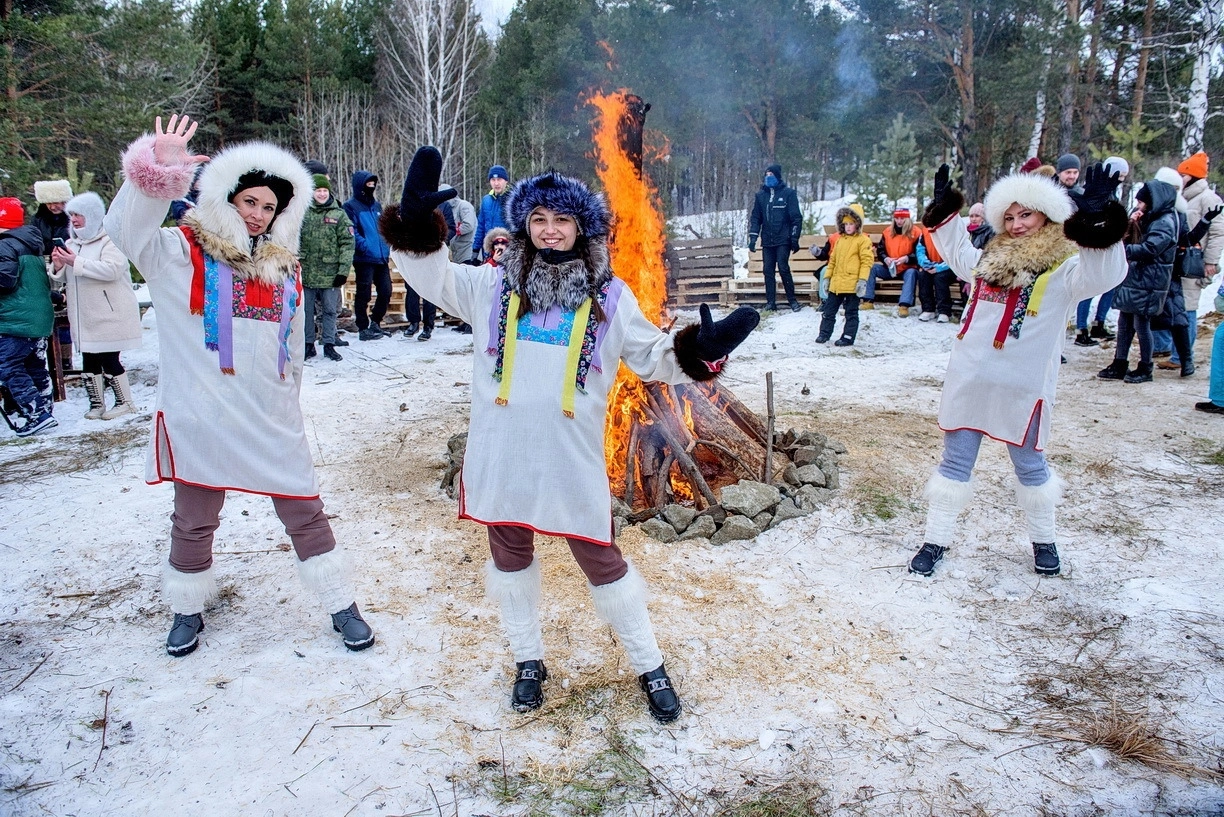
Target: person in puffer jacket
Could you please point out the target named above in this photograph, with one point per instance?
(369, 257)
(776, 221)
(1142, 294)
(850, 258)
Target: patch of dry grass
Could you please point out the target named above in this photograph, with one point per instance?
(1128, 735)
(69, 455)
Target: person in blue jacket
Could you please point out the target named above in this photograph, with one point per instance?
(369, 257)
(935, 279)
(492, 213)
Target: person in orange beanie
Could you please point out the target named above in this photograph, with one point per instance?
(1195, 167)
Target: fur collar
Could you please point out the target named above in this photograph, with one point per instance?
(1016, 262)
(567, 284)
(270, 263)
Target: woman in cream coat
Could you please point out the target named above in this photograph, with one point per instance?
(102, 309)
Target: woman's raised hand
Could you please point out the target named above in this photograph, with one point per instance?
(170, 145)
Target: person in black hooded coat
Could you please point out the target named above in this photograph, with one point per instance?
(777, 221)
(1141, 296)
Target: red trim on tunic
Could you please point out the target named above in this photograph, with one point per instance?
(463, 514)
(1036, 409)
(159, 426)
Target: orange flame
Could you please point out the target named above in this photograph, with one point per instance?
(636, 250)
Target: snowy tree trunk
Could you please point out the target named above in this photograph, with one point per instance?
(1211, 19)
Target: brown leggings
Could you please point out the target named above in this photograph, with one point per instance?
(513, 548)
(197, 514)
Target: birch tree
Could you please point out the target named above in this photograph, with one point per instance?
(1210, 18)
(430, 52)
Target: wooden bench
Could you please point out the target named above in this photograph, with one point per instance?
(698, 270)
(805, 270)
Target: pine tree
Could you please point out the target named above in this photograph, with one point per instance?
(890, 176)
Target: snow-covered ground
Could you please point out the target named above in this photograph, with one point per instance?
(814, 669)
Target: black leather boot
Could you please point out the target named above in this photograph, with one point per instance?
(661, 696)
(1114, 371)
(353, 629)
(527, 693)
(926, 558)
(1045, 558)
(1142, 373)
(184, 634)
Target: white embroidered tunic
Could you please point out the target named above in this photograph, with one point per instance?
(241, 431)
(527, 463)
(997, 391)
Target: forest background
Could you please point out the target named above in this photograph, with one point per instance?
(864, 96)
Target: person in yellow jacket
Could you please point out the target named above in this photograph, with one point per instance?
(850, 258)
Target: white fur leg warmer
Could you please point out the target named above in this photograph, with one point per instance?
(1038, 502)
(327, 576)
(188, 593)
(946, 498)
(623, 605)
(518, 595)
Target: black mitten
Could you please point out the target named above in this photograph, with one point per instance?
(340, 280)
(421, 195)
(700, 348)
(945, 201)
(1099, 220)
(416, 225)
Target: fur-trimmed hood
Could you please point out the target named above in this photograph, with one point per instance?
(1009, 262)
(220, 230)
(90, 206)
(1028, 190)
(495, 233)
(566, 284)
(849, 212)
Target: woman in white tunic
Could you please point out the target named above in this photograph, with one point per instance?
(226, 288)
(102, 310)
(1003, 369)
(550, 324)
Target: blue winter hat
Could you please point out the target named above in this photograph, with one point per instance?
(562, 194)
(498, 172)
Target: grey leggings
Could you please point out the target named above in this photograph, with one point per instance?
(961, 451)
(197, 514)
(513, 548)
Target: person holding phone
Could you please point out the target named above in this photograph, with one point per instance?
(102, 310)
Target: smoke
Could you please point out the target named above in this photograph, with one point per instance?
(855, 79)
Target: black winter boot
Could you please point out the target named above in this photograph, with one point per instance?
(1100, 332)
(1114, 371)
(926, 558)
(1045, 559)
(527, 694)
(1140, 374)
(661, 696)
(310, 351)
(329, 352)
(1082, 339)
(184, 634)
(356, 634)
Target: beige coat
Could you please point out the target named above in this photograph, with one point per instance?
(1199, 199)
(102, 308)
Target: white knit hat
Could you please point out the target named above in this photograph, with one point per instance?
(51, 192)
(1029, 190)
(1171, 177)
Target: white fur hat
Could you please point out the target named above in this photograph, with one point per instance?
(220, 176)
(1029, 190)
(1172, 178)
(53, 191)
